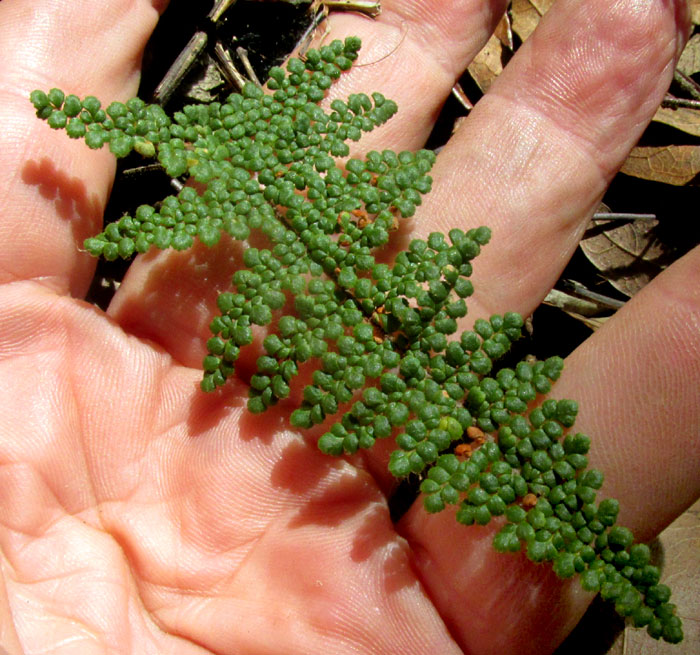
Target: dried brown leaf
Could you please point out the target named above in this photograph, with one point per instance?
(627, 254)
(504, 32)
(689, 62)
(677, 165)
(684, 119)
(526, 14)
(488, 64)
(542, 5)
(694, 11)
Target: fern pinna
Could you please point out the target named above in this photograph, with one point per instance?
(391, 359)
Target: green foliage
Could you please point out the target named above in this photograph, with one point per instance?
(390, 359)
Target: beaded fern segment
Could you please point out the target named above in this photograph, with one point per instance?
(398, 319)
(534, 475)
(252, 143)
(391, 360)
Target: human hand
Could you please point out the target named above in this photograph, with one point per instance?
(139, 515)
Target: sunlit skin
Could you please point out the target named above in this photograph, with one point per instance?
(138, 515)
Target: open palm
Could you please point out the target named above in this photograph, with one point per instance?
(139, 516)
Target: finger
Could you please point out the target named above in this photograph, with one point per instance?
(492, 603)
(55, 190)
(412, 53)
(636, 383)
(536, 154)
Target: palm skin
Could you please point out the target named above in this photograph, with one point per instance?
(139, 516)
